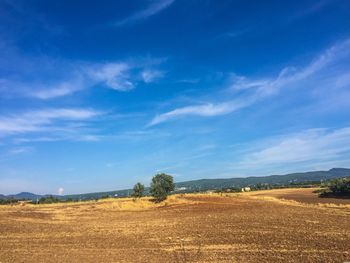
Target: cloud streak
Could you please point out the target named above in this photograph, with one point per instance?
(66, 78)
(59, 90)
(251, 91)
(206, 110)
(20, 150)
(150, 75)
(45, 77)
(113, 75)
(314, 145)
(154, 8)
(42, 120)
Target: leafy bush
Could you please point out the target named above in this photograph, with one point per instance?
(8, 201)
(48, 200)
(337, 187)
(138, 190)
(161, 186)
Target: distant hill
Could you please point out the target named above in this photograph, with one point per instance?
(212, 184)
(24, 195)
(117, 193)
(207, 184)
(316, 176)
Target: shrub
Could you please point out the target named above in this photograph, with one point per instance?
(138, 190)
(337, 187)
(8, 201)
(48, 200)
(340, 186)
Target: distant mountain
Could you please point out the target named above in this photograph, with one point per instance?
(212, 184)
(24, 195)
(316, 176)
(117, 193)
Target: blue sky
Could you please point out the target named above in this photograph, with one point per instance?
(98, 95)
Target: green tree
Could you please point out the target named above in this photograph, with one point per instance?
(340, 186)
(337, 187)
(161, 186)
(138, 190)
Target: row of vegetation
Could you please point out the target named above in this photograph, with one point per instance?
(8, 201)
(49, 200)
(268, 186)
(339, 187)
(336, 188)
(162, 185)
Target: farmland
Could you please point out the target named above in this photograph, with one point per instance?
(286, 225)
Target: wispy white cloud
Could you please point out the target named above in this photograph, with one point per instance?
(113, 75)
(20, 150)
(154, 8)
(206, 110)
(149, 75)
(291, 75)
(42, 120)
(119, 76)
(48, 78)
(243, 83)
(313, 145)
(61, 135)
(15, 152)
(248, 91)
(82, 133)
(59, 90)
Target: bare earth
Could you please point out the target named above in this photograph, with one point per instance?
(265, 226)
(305, 195)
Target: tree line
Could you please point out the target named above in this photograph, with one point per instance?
(160, 187)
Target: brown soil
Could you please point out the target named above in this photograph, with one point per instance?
(303, 195)
(190, 228)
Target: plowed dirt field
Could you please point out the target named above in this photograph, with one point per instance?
(262, 226)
